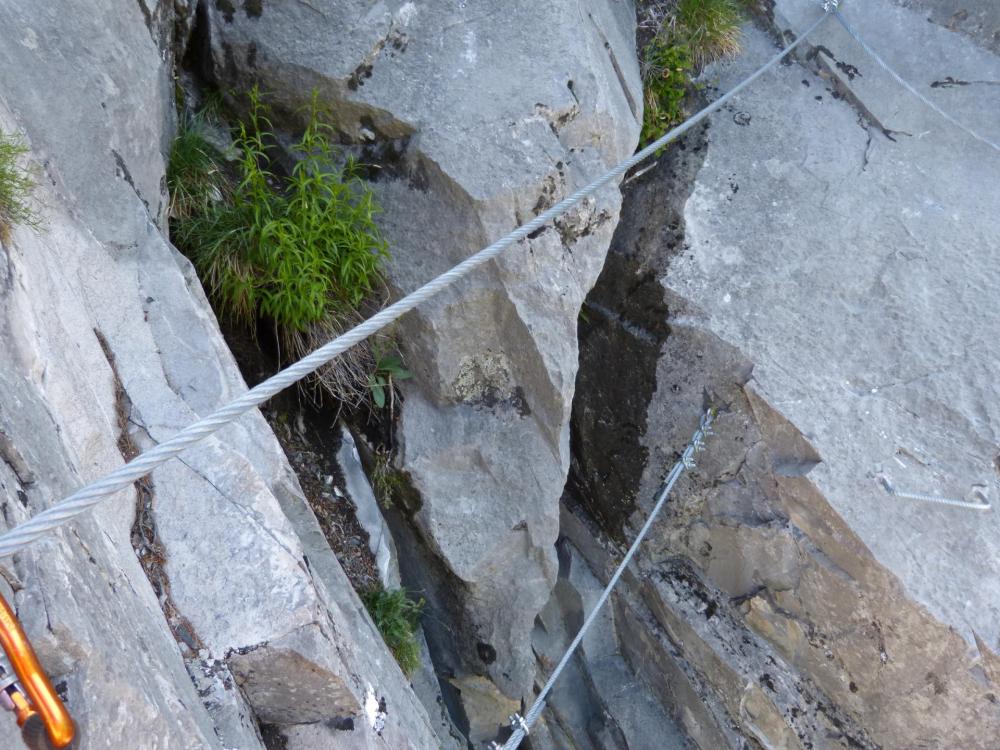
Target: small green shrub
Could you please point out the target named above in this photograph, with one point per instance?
(397, 618)
(16, 186)
(686, 35)
(388, 371)
(295, 250)
(300, 249)
(668, 77)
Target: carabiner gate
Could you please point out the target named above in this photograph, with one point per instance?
(26, 690)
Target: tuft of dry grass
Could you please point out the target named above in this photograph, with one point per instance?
(346, 377)
(711, 28)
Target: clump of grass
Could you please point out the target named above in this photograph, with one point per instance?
(710, 27)
(386, 480)
(194, 174)
(397, 617)
(300, 250)
(685, 36)
(16, 185)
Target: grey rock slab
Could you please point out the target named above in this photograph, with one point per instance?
(845, 247)
(494, 114)
(104, 321)
(82, 596)
(366, 506)
(110, 150)
(946, 67)
(854, 274)
(977, 19)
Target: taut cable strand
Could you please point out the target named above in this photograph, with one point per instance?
(87, 497)
(906, 85)
(522, 725)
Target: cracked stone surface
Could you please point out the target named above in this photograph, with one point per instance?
(481, 119)
(824, 280)
(853, 274)
(274, 631)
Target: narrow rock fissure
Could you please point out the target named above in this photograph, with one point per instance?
(152, 554)
(304, 422)
(709, 625)
(145, 541)
(624, 319)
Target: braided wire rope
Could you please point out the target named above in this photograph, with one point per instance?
(87, 497)
(522, 725)
(905, 84)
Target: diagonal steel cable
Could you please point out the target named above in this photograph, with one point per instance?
(87, 497)
(523, 725)
(906, 85)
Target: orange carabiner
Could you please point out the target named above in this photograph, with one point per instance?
(34, 700)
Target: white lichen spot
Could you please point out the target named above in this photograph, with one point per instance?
(30, 39)
(373, 711)
(406, 13)
(470, 47)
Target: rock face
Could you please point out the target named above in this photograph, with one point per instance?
(824, 284)
(489, 116)
(215, 565)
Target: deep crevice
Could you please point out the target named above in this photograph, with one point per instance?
(624, 319)
(145, 540)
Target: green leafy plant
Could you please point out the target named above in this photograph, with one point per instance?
(300, 249)
(667, 79)
(388, 371)
(397, 617)
(685, 35)
(16, 185)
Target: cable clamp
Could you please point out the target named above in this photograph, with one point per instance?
(517, 721)
(830, 5)
(688, 461)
